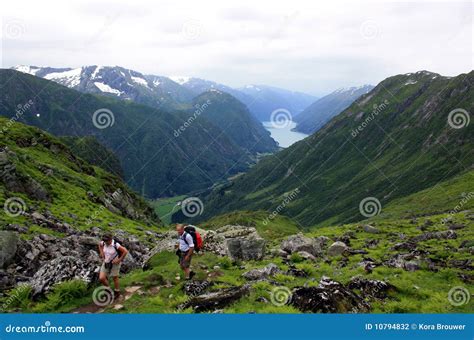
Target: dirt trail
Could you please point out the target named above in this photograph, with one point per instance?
(116, 304)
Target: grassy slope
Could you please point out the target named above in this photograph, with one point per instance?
(421, 291)
(67, 186)
(408, 147)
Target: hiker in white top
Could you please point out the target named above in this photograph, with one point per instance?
(185, 250)
(112, 254)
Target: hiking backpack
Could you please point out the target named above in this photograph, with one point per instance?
(114, 242)
(197, 239)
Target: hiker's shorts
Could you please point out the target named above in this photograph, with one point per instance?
(115, 271)
(182, 261)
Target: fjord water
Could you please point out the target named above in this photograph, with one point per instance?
(284, 134)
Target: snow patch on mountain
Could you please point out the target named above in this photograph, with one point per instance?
(180, 79)
(106, 88)
(96, 71)
(27, 69)
(140, 81)
(69, 78)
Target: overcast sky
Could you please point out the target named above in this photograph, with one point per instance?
(311, 46)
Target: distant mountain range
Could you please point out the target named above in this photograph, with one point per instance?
(155, 160)
(168, 92)
(407, 134)
(320, 112)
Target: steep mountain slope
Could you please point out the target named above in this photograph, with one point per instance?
(39, 173)
(101, 156)
(261, 100)
(320, 112)
(266, 99)
(396, 140)
(235, 120)
(116, 82)
(155, 161)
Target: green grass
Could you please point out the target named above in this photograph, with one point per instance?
(165, 207)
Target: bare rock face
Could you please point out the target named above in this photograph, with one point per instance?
(328, 297)
(216, 300)
(300, 243)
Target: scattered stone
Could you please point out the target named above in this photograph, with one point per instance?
(262, 273)
(293, 271)
(370, 229)
(306, 256)
(328, 297)
(299, 242)
(448, 235)
(373, 288)
(456, 226)
(337, 248)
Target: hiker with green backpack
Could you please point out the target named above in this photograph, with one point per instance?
(112, 253)
(189, 241)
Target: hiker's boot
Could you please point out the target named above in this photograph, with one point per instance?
(116, 294)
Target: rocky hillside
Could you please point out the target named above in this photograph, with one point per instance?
(52, 202)
(408, 134)
(321, 111)
(421, 265)
(155, 147)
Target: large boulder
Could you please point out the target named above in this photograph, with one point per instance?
(237, 242)
(337, 248)
(375, 289)
(328, 297)
(299, 242)
(58, 270)
(8, 247)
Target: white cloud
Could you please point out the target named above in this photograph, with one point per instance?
(301, 45)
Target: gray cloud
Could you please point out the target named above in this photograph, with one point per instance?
(302, 45)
